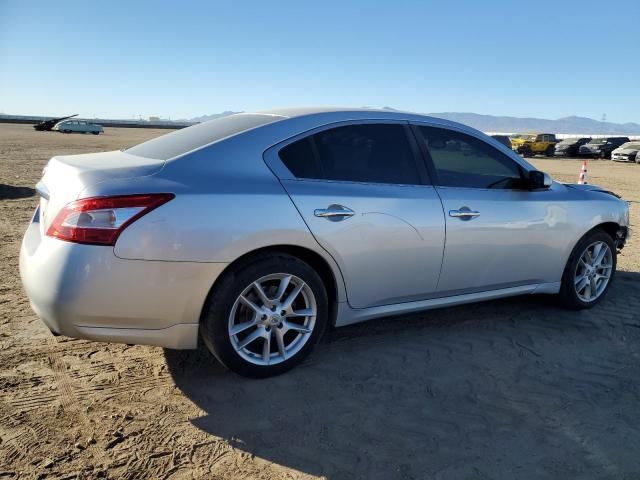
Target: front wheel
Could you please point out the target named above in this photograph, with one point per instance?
(589, 271)
(266, 316)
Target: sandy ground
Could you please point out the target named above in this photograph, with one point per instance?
(507, 389)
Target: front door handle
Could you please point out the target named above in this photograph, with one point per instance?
(464, 213)
(334, 212)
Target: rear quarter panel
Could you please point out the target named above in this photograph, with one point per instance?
(228, 203)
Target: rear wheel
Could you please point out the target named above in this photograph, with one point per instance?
(589, 271)
(266, 316)
(96, 133)
(603, 155)
(550, 151)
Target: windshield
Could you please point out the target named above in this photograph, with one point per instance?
(524, 136)
(631, 145)
(190, 138)
(598, 141)
(569, 141)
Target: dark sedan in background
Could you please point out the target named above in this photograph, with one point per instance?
(569, 147)
(601, 147)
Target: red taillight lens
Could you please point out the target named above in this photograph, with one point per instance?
(100, 220)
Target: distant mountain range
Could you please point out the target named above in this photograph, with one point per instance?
(492, 123)
(573, 124)
(205, 118)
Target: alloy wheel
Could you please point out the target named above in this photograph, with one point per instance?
(593, 271)
(272, 319)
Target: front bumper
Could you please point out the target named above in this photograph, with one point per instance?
(621, 237)
(85, 291)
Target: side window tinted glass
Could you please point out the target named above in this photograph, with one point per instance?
(372, 153)
(299, 158)
(464, 161)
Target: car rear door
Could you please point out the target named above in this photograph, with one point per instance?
(365, 195)
(498, 233)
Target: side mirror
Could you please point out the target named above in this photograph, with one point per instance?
(538, 180)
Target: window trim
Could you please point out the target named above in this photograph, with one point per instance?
(272, 158)
(426, 156)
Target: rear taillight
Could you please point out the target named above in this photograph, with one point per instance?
(100, 220)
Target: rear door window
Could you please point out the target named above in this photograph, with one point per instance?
(369, 153)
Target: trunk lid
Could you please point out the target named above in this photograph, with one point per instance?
(65, 177)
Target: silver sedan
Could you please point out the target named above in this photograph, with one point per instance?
(255, 231)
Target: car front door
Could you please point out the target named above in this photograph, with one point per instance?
(499, 234)
(363, 191)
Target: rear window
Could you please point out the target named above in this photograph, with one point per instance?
(183, 141)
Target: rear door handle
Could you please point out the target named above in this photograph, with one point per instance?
(334, 212)
(464, 213)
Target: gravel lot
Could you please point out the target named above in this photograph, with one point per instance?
(506, 389)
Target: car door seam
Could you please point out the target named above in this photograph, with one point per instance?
(346, 292)
(444, 243)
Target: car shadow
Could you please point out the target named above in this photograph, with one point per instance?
(491, 390)
(11, 192)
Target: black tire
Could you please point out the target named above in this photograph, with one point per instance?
(568, 295)
(525, 151)
(96, 133)
(551, 150)
(66, 131)
(603, 155)
(215, 321)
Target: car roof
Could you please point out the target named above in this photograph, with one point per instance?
(362, 113)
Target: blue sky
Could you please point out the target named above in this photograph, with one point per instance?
(183, 59)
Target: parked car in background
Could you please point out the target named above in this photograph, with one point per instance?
(78, 126)
(601, 147)
(569, 147)
(539, 144)
(503, 139)
(256, 231)
(627, 152)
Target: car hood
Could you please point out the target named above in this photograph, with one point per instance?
(590, 188)
(583, 186)
(625, 150)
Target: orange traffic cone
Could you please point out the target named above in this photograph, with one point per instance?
(583, 174)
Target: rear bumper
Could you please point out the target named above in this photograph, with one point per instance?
(85, 291)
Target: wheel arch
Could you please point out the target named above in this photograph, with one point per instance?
(611, 228)
(330, 275)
